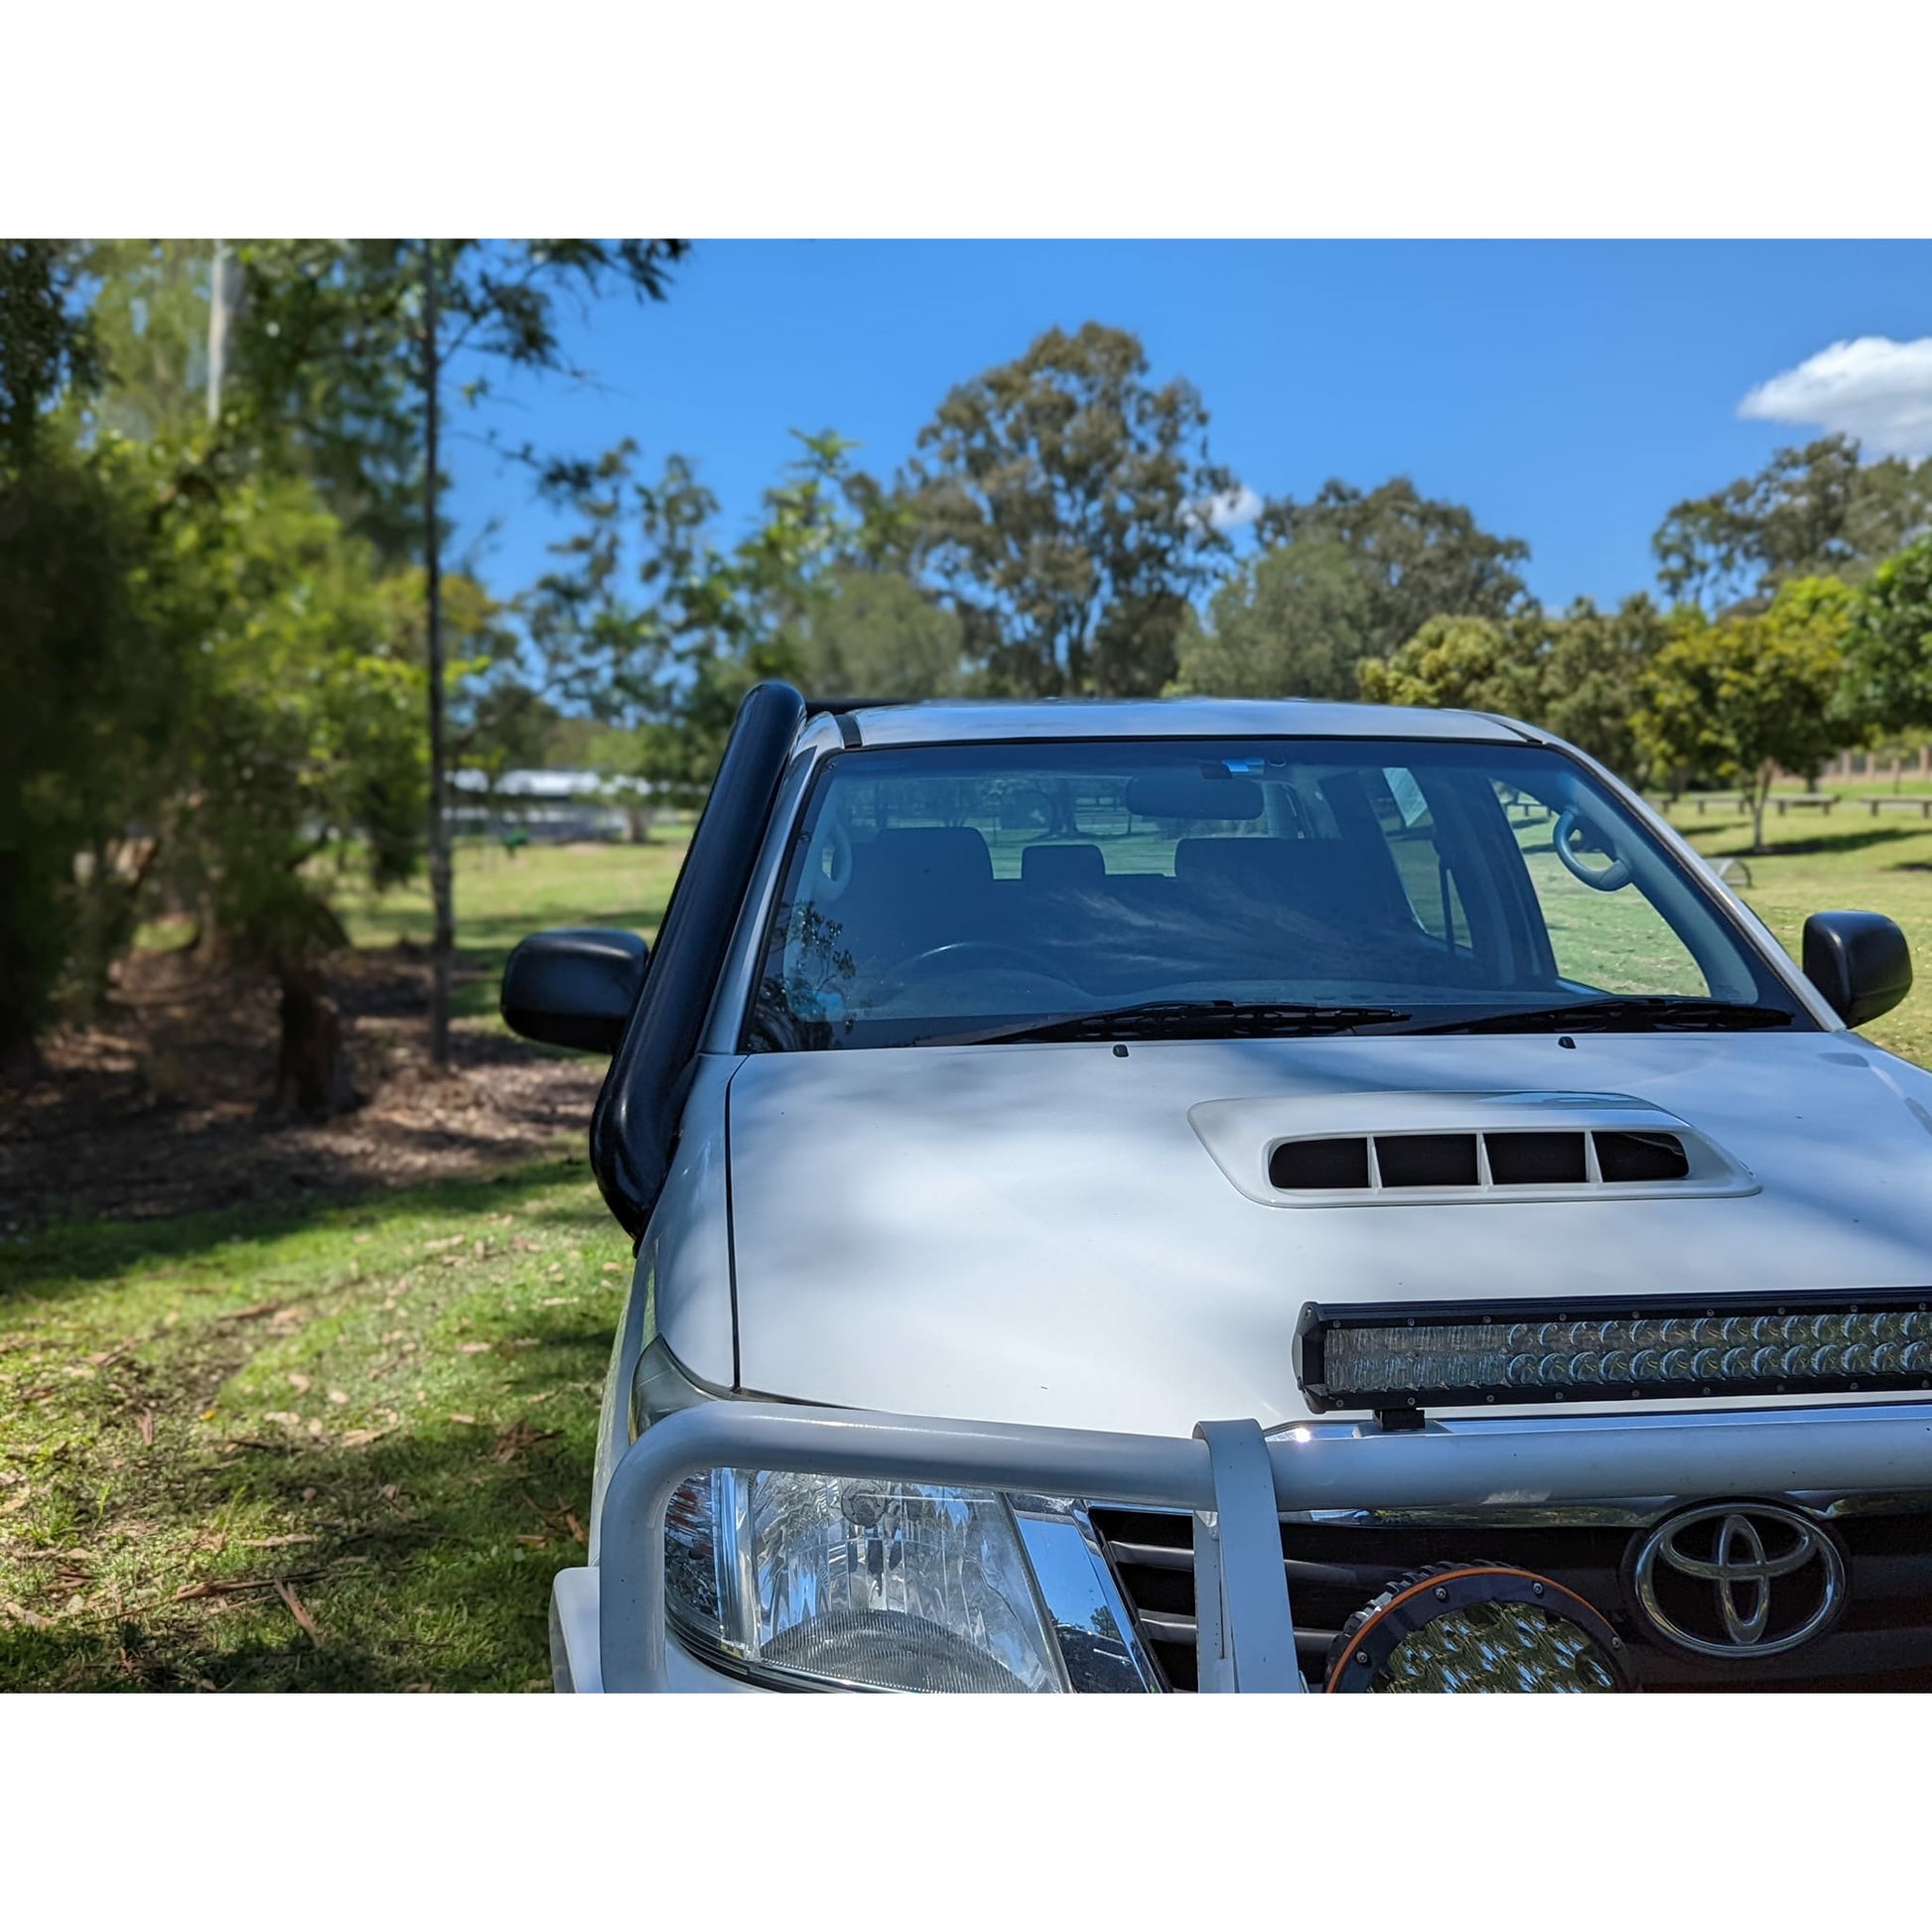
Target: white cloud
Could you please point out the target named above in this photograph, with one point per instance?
(1875, 388)
(1232, 509)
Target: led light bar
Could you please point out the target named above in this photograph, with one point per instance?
(1412, 1355)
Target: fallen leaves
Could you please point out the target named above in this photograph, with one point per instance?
(144, 1422)
(297, 1382)
(473, 1348)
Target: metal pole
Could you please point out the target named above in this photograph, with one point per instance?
(217, 330)
(443, 936)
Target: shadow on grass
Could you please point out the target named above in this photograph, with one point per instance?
(183, 1532)
(73, 1254)
(430, 1568)
(1820, 843)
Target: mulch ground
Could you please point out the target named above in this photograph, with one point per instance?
(161, 1107)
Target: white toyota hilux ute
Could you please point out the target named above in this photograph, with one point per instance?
(1226, 1195)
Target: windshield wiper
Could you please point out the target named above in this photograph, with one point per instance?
(1627, 1013)
(1188, 1020)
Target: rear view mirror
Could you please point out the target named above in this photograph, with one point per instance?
(1859, 961)
(575, 986)
(1186, 795)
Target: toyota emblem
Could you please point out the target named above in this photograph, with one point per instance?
(1739, 1581)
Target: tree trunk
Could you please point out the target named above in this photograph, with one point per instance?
(1760, 793)
(443, 936)
(312, 1076)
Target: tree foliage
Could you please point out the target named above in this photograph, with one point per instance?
(46, 341)
(1416, 557)
(1889, 649)
(1293, 621)
(329, 349)
(1062, 506)
(649, 623)
(1811, 512)
(1577, 675)
(1735, 697)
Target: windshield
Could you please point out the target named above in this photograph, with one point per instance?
(985, 891)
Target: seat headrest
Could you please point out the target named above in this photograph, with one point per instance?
(1061, 866)
(926, 855)
(1322, 878)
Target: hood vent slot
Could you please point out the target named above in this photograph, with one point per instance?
(1428, 1159)
(1476, 1162)
(1641, 1156)
(1537, 1159)
(1299, 1164)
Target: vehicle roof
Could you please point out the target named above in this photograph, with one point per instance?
(968, 721)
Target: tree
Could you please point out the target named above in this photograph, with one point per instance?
(344, 348)
(803, 595)
(874, 633)
(1577, 675)
(1453, 664)
(85, 686)
(1062, 508)
(1811, 512)
(46, 341)
(1888, 650)
(1292, 622)
(1739, 696)
(1591, 666)
(87, 726)
(1418, 557)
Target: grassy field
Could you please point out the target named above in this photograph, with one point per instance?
(1850, 859)
(337, 1452)
(319, 1449)
(501, 895)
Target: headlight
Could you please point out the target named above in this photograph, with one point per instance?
(874, 1584)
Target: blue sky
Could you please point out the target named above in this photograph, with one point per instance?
(1568, 392)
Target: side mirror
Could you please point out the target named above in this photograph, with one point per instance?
(1859, 961)
(575, 986)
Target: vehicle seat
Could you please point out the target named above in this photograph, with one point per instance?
(1311, 895)
(915, 887)
(1061, 868)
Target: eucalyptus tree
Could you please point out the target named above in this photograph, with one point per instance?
(1066, 508)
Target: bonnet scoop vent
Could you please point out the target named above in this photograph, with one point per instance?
(1392, 1148)
(1498, 1160)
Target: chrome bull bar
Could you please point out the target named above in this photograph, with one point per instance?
(1238, 1482)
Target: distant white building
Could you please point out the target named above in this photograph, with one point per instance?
(555, 807)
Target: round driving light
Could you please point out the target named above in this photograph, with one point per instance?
(1477, 1626)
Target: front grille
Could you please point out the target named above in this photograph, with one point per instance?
(1885, 1641)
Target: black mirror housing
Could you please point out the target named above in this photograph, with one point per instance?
(1859, 961)
(575, 986)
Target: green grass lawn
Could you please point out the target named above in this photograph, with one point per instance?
(1850, 860)
(336, 1451)
(501, 895)
(321, 1449)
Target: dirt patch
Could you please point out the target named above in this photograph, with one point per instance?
(161, 1107)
